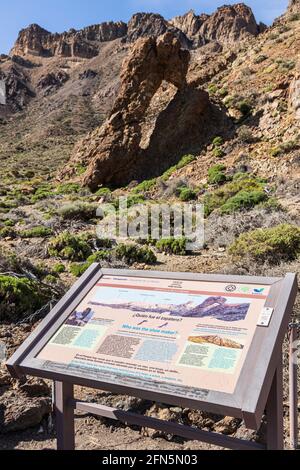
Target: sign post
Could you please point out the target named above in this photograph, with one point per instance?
(206, 342)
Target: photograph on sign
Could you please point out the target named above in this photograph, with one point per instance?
(180, 337)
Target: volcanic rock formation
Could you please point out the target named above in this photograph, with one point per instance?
(227, 25)
(294, 6)
(113, 153)
(38, 41)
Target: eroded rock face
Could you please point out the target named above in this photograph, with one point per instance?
(294, 6)
(84, 43)
(113, 153)
(228, 24)
(153, 25)
(18, 90)
(294, 94)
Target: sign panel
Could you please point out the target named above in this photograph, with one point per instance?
(179, 337)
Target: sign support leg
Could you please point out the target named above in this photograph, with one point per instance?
(293, 387)
(275, 412)
(64, 413)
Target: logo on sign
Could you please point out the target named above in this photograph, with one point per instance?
(230, 288)
(244, 289)
(258, 291)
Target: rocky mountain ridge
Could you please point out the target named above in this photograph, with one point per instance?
(227, 25)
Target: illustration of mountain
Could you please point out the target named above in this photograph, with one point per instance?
(213, 307)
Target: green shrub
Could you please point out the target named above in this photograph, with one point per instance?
(7, 232)
(59, 268)
(78, 211)
(217, 141)
(78, 270)
(68, 188)
(186, 194)
(184, 161)
(244, 183)
(273, 244)
(218, 153)
(216, 174)
(102, 192)
(243, 200)
(260, 59)
(145, 186)
(18, 297)
(212, 89)
(245, 135)
(43, 192)
(285, 147)
(244, 107)
(70, 247)
(9, 223)
(36, 232)
(133, 254)
(174, 246)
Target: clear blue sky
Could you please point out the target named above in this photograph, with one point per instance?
(61, 15)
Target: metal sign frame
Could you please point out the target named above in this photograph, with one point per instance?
(259, 384)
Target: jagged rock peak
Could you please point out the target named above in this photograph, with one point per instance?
(152, 24)
(227, 25)
(190, 24)
(36, 40)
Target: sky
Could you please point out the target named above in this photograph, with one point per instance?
(61, 15)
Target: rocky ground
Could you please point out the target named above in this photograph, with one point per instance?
(242, 163)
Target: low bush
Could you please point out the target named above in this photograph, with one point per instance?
(36, 232)
(59, 268)
(18, 297)
(285, 147)
(42, 192)
(79, 269)
(174, 246)
(245, 184)
(243, 200)
(272, 244)
(70, 247)
(218, 152)
(133, 254)
(145, 186)
(186, 194)
(216, 174)
(68, 188)
(78, 211)
(8, 232)
(245, 135)
(245, 108)
(217, 141)
(184, 161)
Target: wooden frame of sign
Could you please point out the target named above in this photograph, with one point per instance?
(258, 389)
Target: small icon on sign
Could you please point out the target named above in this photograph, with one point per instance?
(230, 288)
(258, 291)
(244, 289)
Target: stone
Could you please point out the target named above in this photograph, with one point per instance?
(18, 413)
(227, 425)
(34, 387)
